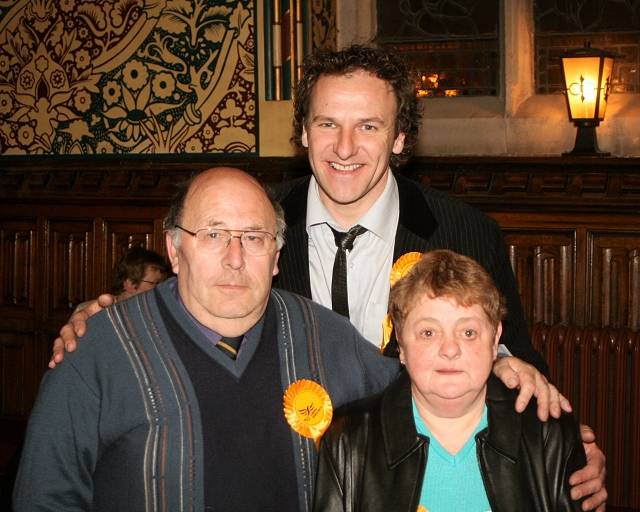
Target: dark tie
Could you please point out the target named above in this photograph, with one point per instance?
(344, 243)
(230, 345)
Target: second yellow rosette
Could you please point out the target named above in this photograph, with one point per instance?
(308, 408)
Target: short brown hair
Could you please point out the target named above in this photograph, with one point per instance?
(379, 62)
(444, 273)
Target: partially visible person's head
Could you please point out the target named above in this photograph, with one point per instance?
(137, 271)
(356, 112)
(224, 282)
(447, 312)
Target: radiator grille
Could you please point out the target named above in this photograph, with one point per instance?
(598, 369)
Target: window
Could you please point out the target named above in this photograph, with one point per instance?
(452, 46)
(612, 25)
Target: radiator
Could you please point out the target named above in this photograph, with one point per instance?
(598, 369)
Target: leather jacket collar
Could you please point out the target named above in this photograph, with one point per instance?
(373, 459)
(401, 439)
(398, 428)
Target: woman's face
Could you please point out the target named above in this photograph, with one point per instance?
(448, 351)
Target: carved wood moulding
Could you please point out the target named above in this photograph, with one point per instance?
(144, 179)
(504, 183)
(514, 183)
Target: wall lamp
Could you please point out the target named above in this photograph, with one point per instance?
(587, 77)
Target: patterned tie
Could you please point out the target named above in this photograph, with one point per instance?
(230, 345)
(344, 243)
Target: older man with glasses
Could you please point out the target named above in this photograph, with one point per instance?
(206, 393)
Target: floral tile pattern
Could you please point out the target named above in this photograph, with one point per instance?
(127, 77)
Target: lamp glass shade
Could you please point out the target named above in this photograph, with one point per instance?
(587, 80)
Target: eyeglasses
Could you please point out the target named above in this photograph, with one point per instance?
(255, 243)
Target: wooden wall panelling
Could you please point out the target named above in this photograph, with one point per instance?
(69, 266)
(18, 307)
(18, 245)
(23, 361)
(587, 274)
(614, 279)
(543, 264)
(16, 360)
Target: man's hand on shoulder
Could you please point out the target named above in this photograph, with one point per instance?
(589, 481)
(76, 327)
(515, 373)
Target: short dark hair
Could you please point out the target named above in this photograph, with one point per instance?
(379, 62)
(176, 208)
(133, 265)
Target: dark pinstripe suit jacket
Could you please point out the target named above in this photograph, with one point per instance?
(429, 219)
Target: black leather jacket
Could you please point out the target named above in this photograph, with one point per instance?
(372, 459)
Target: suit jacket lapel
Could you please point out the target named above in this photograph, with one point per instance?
(415, 226)
(294, 256)
(416, 222)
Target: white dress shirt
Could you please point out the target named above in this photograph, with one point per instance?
(368, 263)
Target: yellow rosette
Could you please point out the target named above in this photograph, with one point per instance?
(403, 266)
(387, 328)
(400, 268)
(308, 409)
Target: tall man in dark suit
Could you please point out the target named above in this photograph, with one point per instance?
(357, 115)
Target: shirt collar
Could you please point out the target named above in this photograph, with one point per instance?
(376, 219)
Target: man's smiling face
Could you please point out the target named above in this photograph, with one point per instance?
(350, 134)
